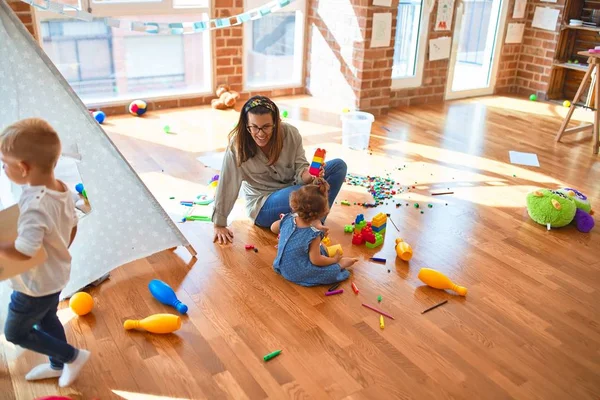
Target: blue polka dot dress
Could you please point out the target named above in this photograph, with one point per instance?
(292, 261)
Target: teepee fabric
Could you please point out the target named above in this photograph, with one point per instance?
(126, 222)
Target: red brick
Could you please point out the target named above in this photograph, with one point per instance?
(534, 68)
(19, 7)
(222, 71)
(227, 51)
(234, 42)
(545, 35)
(523, 74)
(223, 61)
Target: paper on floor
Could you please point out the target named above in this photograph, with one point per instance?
(529, 159)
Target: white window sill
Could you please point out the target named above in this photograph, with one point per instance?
(406, 83)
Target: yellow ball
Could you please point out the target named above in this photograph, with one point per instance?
(81, 303)
(346, 110)
(566, 103)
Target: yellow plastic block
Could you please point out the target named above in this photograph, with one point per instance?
(331, 250)
(379, 220)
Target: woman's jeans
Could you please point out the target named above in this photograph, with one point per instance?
(279, 202)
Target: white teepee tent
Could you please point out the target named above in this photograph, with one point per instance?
(126, 222)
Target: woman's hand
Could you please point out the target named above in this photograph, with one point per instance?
(223, 235)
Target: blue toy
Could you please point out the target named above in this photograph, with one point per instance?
(100, 116)
(79, 188)
(165, 294)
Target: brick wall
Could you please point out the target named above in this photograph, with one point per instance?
(537, 53)
(227, 59)
(25, 14)
(341, 63)
(506, 81)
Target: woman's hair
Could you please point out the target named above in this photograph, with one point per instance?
(310, 201)
(32, 140)
(243, 144)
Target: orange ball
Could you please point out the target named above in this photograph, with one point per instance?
(81, 303)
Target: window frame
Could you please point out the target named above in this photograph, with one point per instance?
(299, 45)
(128, 9)
(416, 80)
(150, 7)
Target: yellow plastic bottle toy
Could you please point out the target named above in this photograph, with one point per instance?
(157, 323)
(403, 250)
(437, 280)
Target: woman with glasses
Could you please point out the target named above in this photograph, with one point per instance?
(266, 158)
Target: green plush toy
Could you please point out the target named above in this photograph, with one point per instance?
(581, 201)
(552, 208)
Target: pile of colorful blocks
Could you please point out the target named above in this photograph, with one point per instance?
(369, 233)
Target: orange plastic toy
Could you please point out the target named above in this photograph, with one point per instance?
(157, 323)
(403, 250)
(437, 280)
(81, 303)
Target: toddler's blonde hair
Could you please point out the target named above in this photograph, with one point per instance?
(32, 140)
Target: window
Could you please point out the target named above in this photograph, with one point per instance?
(105, 64)
(274, 47)
(409, 46)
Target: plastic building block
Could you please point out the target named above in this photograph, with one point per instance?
(359, 218)
(332, 250)
(368, 235)
(378, 242)
(379, 229)
(348, 228)
(326, 241)
(379, 220)
(357, 239)
(359, 227)
(345, 203)
(317, 162)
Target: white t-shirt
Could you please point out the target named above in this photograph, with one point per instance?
(47, 218)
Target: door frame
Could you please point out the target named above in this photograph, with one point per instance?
(498, 43)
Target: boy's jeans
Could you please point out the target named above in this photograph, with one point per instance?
(47, 337)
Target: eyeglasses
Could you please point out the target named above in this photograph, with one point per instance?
(256, 129)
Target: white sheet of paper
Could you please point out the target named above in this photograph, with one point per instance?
(519, 10)
(545, 18)
(384, 3)
(445, 11)
(530, 159)
(214, 161)
(382, 30)
(439, 49)
(514, 33)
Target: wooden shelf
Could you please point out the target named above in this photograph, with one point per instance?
(575, 67)
(582, 28)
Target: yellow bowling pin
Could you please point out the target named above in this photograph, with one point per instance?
(157, 323)
(437, 280)
(403, 250)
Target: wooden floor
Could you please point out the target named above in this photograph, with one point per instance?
(528, 329)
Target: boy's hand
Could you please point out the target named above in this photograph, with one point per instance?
(8, 251)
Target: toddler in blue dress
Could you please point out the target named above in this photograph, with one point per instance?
(301, 258)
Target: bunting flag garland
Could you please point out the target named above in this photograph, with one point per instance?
(173, 28)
